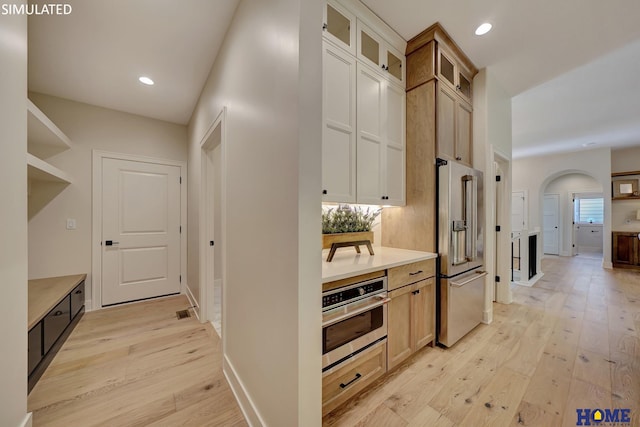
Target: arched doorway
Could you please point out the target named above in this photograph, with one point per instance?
(572, 214)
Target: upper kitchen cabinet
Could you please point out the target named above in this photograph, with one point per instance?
(381, 140)
(44, 140)
(364, 111)
(339, 125)
(454, 126)
(339, 26)
(454, 73)
(376, 52)
(433, 58)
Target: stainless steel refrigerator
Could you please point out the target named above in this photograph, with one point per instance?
(461, 274)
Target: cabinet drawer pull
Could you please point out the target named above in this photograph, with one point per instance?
(78, 292)
(343, 385)
(416, 273)
(58, 313)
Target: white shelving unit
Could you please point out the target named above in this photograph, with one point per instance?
(44, 139)
(39, 170)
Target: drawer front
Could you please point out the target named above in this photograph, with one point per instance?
(77, 299)
(348, 380)
(410, 273)
(35, 347)
(56, 321)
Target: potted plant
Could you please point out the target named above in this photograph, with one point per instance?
(347, 224)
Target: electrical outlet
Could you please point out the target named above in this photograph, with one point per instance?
(71, 224)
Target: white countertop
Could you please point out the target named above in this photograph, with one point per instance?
(347, 263)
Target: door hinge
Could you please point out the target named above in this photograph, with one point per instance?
(180, 180)
(497, 228)
(497, 278)
(180, 278)
(498, 178)
(180, 229)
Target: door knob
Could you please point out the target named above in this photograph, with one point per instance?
(111, 243)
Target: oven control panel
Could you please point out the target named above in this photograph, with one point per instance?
(351, 293)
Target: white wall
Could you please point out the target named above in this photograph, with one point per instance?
(534, 173)
(268, 75)
(13, 227)
(491, 135)
(624, 212)
(54, 250)
(563, 186)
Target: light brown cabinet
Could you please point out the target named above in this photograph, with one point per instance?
(411, 320)
(454, 126)
(439, 124)
(626, 249)
(345, 382)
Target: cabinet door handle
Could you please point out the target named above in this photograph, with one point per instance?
(458, 158)
(416, 273)
(324, 27)
(343, 385)
(416, 292)
(324, 191)
(58, 313)
(78, 292)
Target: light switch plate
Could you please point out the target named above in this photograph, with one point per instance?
(71, 224)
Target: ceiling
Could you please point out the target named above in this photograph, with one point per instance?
(569, 64)
(96, 54)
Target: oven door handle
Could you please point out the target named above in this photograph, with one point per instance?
(383, 300)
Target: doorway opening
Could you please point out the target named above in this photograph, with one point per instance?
(212, 225)
(588, 221)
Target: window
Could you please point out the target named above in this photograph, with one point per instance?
(589, 210)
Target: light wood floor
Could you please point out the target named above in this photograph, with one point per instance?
(571, 341)
(137, 365)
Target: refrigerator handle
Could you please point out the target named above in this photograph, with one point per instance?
(471, 215)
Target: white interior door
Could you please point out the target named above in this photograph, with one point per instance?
(140, 230)
(551, 224)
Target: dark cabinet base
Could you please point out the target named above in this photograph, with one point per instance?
(46, 360)
(53, 330)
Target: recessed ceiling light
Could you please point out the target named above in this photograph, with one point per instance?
(483, 29)
(146, 80)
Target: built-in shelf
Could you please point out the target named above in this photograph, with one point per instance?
(630, 180)
(39, 170)
(44, 138)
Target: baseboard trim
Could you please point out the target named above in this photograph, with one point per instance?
(192, 301)
(607, 265)
(27, 422)
(88, 305)
(531, 281)
(487, 317)
(248, 408)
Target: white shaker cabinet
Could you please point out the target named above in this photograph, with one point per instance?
(380, 122)
(339, 126)
(363, 140)
(339, 26)
(373, 50)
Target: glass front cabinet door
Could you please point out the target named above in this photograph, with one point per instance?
(339, 27)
